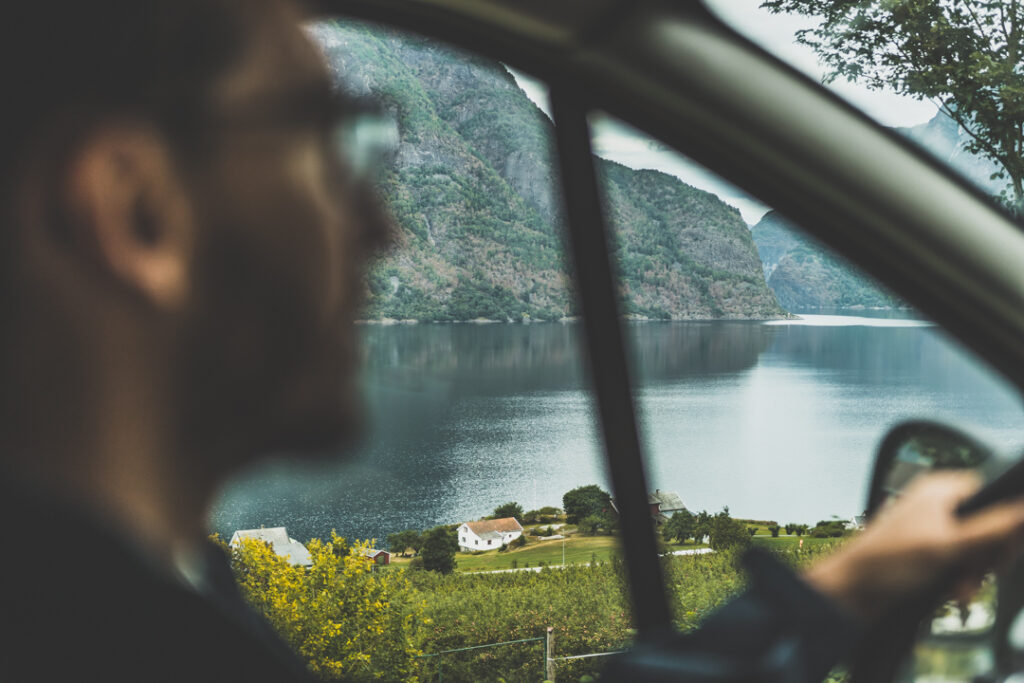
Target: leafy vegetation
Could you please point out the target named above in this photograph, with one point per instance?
(586, 501)
(508, 510)
(403, 541)
(344, 619)
(964, 56)
(350, 619)
(438, 549)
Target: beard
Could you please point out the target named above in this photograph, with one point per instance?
(261, 372)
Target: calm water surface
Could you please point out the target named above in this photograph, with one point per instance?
(777, 421)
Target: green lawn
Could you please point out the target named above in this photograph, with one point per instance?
(578, 550)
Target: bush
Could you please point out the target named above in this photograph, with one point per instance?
(519, 541)
(726, 533)
(833, 528)
(774, 529)
(309, 607)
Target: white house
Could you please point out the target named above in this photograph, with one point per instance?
(281, 543)
(488, 534)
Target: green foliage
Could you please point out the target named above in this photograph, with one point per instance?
(681, 526)
(508, 510)
(544, 515)
(351, 621)
(774, 530)
(702, 525)
(585, 501)
(833, 528)
(728, 534)
(964, 56)
(591, 525)
(342, 617)
(519, 541)
(438, 549)
(402, 541)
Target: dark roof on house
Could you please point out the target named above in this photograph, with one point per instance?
(505, 524)
(666, 500)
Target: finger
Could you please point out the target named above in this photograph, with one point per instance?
(1001, 524)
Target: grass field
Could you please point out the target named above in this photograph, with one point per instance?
(578, 550)
(788, 542)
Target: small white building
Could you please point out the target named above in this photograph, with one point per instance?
(488, 534)
(281, 543)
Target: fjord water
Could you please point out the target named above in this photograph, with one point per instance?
(777, 421)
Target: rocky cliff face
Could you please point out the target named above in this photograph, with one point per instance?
(805, 276)
(474, 189)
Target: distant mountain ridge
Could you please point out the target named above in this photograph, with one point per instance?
(806, 276)
(473, 188)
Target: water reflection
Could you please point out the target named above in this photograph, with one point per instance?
(774, 421)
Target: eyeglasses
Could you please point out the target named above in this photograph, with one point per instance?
(365, 140)
(360, 132)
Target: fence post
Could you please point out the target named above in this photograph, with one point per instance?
(549, 653)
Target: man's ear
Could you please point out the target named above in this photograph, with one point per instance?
(127, 209)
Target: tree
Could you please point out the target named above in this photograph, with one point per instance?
(438, 550)
(964, 55)
(401, 541)
(681, 526)
(702, 525)
(508, 510)
(774, 530)
(726, 533)
(585, 501)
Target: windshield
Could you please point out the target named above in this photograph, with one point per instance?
(946, 75)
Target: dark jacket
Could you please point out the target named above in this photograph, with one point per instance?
(79, 603)
(779, 630)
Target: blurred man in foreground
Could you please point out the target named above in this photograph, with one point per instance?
(182, 260)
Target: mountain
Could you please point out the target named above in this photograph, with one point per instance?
(945, 139)
(805, 276)
(473, 187)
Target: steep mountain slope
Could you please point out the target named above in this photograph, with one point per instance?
(473, 188)
(805, 276)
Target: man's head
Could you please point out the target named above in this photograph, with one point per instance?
(179, 236)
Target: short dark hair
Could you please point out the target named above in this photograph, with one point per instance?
(67, 63)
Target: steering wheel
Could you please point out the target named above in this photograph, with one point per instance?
(907, 451)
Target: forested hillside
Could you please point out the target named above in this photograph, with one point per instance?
(806, 277)
(473, 189)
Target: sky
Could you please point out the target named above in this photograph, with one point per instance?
(618, 142)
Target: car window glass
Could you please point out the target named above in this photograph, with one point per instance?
(943, 74)
(768, 368)
(477, 402)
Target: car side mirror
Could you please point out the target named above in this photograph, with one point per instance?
(955, 641)
(912, 448)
